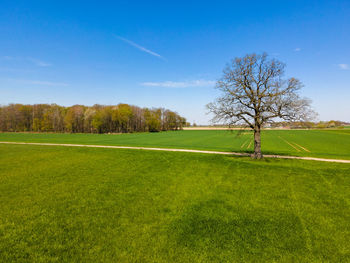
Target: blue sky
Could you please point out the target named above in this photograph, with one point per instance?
(168, 53)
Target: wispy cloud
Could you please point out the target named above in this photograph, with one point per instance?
(297, 49)
(180, 84)
(8, 58)
(131, 43)
(39, 63)
(343, 66)
(38, 82)
(7, 69)
(34, 61)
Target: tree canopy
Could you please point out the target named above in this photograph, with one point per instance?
(119, 118)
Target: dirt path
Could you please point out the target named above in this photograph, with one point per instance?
(179, 150)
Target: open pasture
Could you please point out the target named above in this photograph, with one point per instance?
(62, 204)
(333, 144)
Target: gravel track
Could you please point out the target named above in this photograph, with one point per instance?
(180, 150)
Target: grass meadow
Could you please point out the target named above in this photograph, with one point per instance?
(317, 143)
(66, 204)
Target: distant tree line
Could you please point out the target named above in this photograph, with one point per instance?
(309, 125)
(292, 125)
(121, 118)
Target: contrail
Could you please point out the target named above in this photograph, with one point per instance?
(131, 43)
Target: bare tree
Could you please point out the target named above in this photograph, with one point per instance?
(254, 94)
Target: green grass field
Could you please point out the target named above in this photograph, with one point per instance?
(317, 143)
(62, 204)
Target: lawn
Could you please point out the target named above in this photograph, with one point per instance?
(317, 143)
(62, 204)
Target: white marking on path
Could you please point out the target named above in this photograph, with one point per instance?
(178, 150)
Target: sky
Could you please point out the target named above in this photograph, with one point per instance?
(168, 53)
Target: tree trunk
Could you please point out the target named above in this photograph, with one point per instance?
(257, 144)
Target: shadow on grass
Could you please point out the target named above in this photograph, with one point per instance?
(221, 228)
(264, 152)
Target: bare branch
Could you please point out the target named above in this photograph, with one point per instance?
(254, 93)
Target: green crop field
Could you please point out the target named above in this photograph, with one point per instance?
(63, 204)
(317, 143)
